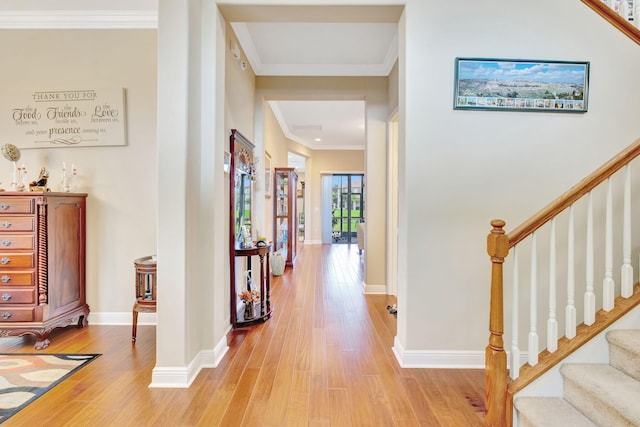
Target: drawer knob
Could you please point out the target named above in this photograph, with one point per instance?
(5, 260)
(6, 315)
(5, 278)
(6, 242)
(6, 297)
(6, 224)
(4, 206)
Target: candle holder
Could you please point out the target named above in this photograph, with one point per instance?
(66, 185)
(22, 173)
(14, 176)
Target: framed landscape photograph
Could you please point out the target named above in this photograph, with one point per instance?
(521, 85)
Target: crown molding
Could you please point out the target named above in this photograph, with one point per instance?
(260, 68)
(290, 135)
(79, 19)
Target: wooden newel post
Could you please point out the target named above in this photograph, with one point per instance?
(495, 356)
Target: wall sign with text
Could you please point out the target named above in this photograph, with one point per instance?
(63, 118)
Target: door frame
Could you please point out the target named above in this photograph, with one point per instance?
(392, 204)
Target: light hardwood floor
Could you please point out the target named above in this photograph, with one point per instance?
(323, 359)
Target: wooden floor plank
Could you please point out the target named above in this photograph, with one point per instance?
(323, 359)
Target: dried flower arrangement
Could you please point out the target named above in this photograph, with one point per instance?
(247, 296)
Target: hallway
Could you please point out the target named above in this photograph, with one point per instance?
(328, 361)
(323, 359)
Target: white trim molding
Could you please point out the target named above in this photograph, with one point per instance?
(374, 289)
(119, 318)
(443, 359)
(437, 358)
(182, 377)
(79, 19)
(313, 242)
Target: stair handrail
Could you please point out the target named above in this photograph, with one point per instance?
(497, 405)
(616, 20)
(574, 193)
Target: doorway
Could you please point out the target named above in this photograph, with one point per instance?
(347, 207)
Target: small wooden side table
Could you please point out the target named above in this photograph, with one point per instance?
(264, 283)
(145, 289)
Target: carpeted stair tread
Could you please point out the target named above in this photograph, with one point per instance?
(549, 412)
(604, 394)
(626, 338)
(624, 351)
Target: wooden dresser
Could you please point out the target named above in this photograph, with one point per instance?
(42, 263)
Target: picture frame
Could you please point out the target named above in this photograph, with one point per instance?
(267, 175)
(521, 85)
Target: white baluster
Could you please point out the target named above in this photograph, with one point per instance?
(552, 323)
(570, 311)
(589, 296)
(626, 277)
(533, 308)
(514, 370)
(624, 10)
(608, 284)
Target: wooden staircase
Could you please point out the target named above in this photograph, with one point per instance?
(595, 394)
(503, 383)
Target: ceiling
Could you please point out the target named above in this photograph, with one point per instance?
(318, 41)
(276, 40)
(319, 49)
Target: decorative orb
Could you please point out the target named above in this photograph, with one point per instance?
(10, 152)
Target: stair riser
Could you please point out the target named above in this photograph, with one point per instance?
(625, 361)
(592, 406)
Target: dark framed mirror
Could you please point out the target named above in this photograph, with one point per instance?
(241, 177)
(249, 273)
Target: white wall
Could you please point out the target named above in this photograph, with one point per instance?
(120, 180)
(459, 169)
(464, 168)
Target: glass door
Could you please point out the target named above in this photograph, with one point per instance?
(347, 207)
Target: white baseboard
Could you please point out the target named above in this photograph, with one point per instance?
(167, 377)
(313, 242)
(374, 289)
(119, 318)
(444, 359)
(182, 377)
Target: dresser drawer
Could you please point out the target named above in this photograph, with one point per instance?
(13, 205)
(16, 314)
(16, 278)
(16, 241)
(17, 223)
(19, 260)
(17, 296)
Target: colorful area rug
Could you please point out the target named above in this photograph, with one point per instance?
(25, 377)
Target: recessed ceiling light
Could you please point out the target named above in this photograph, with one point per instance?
(318, 139)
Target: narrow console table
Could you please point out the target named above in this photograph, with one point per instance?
(263, 307)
